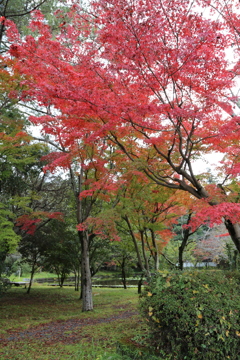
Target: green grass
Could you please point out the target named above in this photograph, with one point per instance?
(97, 339)
(46, 275)
(40, 275)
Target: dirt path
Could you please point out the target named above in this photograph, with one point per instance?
(64, 331)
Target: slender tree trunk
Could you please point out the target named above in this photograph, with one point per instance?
(181, 251)
(31, 277)
(77, 278)
(123, 273)
(186, 233)
(180, 254)
(59, 276)
(140, 284)
(134, 242)
(144, 254)
(62, 278)
(86, 281)
(156, 254)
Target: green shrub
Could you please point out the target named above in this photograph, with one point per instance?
(193, 315)
(4, 285)
(233, 274)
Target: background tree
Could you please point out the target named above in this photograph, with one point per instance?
(91, 184)
(58, 256)
(147, 211)
(19, 11)
(186, 238)
(32, 248)
(8, 238)
(124, 255)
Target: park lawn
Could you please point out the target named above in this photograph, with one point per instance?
(24, 316)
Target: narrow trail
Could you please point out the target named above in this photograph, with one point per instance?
(64, 331)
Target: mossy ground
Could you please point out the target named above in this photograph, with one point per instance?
(48, 323)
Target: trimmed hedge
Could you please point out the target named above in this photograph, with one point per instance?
(193, 315)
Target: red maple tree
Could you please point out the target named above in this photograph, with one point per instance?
(153, 78)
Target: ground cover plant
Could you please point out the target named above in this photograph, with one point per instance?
(48, 324)
(194, 315)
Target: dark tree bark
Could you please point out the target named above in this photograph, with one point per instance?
(234, 232)
(31, 276)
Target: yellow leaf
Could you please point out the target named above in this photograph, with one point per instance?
(206, 286)
(227, 333)
(150, 313)
(155, 319)
(149, 294)
(238, 333)
(195, 292)
(220, 337)
(200, 316)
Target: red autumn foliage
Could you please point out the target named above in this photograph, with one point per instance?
(152, 77)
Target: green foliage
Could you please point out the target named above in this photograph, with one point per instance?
(8, 238)
(193, 315)
(94, 351)
(4, 285)
(19, 11)
(61, 250)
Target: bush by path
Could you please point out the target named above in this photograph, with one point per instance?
(193, 315)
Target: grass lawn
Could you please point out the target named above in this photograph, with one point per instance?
(48, 324)
(37, 275)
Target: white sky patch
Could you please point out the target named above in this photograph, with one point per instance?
(209, 162)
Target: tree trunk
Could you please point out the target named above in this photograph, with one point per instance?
(140, 284)
(77, 278)
(155, 252)
(125, 218)
(31, 278)
(123, 273)
(86, 281)
(62, 278)
(234, 232)
(58, 277)
(148, 275)
(186, 234)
